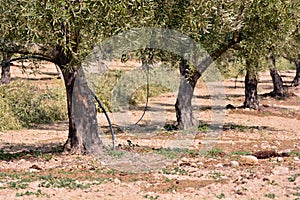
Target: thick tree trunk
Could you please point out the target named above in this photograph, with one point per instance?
(183, 106)
(74, 142)
(278, 90)
(5, 73)
(83, 128)
(296, 80)
(251, 97)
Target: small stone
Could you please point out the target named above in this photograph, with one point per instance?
(219, 165)
(184, 159)
(180, 163)
(117, 181)
(280, 170)
(296, 158)
(265, 145)
(31, 170)
(200, 163)
(234, 163)
(194, 165)
(279, 159)
(249, 160)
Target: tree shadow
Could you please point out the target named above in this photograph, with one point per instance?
(53, 126)
(34, 79)
(13, 151)
(244, 128)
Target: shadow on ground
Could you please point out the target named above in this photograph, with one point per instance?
(14, 151)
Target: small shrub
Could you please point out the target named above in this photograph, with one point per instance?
(203, 127)
(270, 195)
(215, 152)
(22, 105)
(173, 153)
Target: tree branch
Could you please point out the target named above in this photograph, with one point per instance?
(7, 62)
(43, 52)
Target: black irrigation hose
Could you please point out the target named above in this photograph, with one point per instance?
(147, 96)
(108, 120)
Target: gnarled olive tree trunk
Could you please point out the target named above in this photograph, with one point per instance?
(278, 90)
(83, 128)
(296, 80)
(251, 97)
(188, 81)
(5, 73)
(183, 106)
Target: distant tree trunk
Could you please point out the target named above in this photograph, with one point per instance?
(183, 106)
(83, 128)
(278, 90)
(5, 73)
(251, 97)
(296, 80)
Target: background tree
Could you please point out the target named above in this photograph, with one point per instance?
(265, 25)
(278, 89)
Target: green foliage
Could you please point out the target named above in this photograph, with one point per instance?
(9, 156)
(74, 25)
(241, 153)
(17, 184)
(270, 195)
(105, 85)
(215, 152)
(293, 178)
(151, 197)
(23, 105)
(215, 175)
(50, 181)
(203, 127)
(173, 153)
(38, 193)
(239, 128)
(221, 196)
(174, 171)
(140, 95)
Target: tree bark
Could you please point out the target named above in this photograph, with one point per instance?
(83, 127)
(5, 73)
(74, 142)
(183, 106)
(296, 80)
(251, 97)
(278, 90)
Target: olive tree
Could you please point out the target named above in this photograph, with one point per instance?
(250, 27)
(62, 32)
(65, 32)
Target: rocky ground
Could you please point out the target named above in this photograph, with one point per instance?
(254, 156)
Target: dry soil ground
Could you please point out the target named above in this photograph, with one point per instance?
(33, 167)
